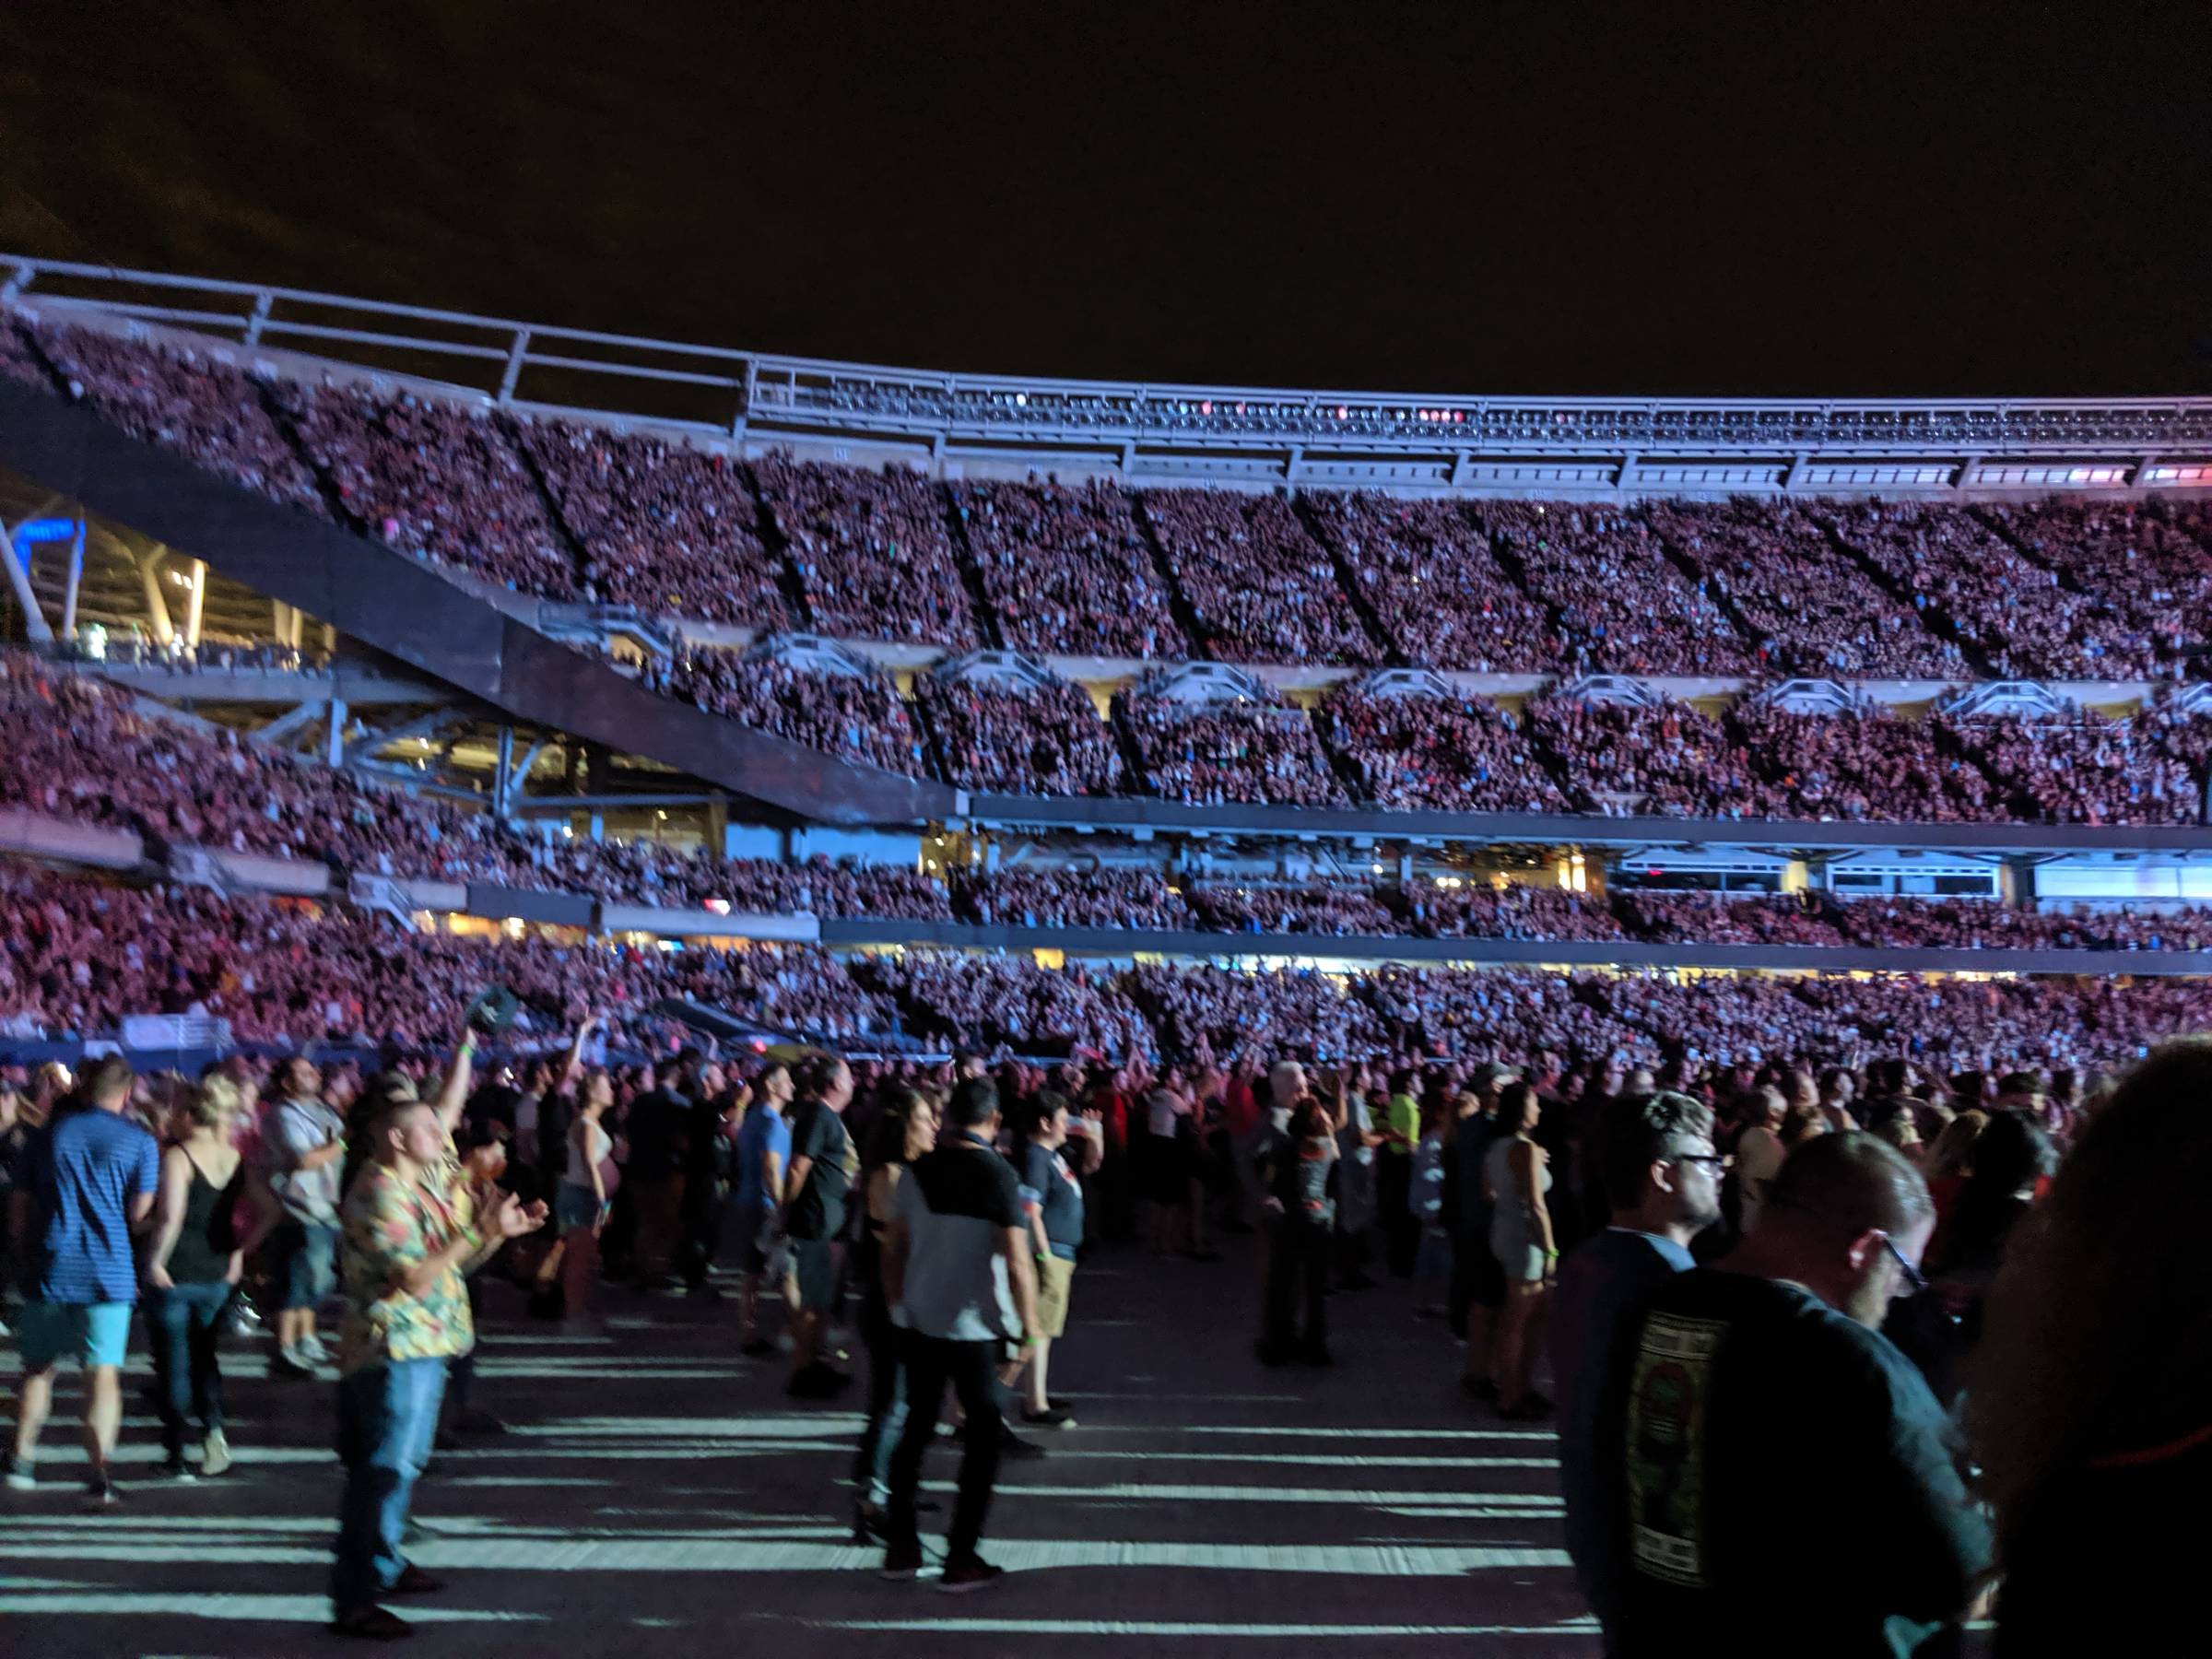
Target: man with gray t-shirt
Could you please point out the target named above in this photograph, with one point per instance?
(958, 1278)
(304, 1153)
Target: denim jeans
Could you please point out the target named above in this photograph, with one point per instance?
(972, 1369)
(387, 1415)
(187, 1321)
(887, 1395)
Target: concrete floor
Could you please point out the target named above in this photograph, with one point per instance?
(658, 1494)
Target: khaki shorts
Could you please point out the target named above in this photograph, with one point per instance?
(1053, 1276)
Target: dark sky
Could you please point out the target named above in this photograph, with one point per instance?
(1838, 196)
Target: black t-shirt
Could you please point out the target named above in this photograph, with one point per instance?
(657, 1130)
(1760, 1427)
(1045, 1172)
(818, 1133)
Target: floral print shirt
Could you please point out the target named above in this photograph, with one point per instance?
(390, 1223)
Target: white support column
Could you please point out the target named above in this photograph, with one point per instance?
(502, 776)
(196, 603)
(76, 576)
(516, 353)
(156, 607)
(259, 320)
(334, 733)
(19, 574)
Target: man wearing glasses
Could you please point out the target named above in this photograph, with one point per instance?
(1761, 1419)
(1653, 1156)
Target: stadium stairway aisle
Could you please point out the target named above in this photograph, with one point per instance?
(658, 1493)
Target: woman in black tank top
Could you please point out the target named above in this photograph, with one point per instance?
(192, 1271)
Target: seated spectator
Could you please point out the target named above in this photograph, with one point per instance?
(1072, 897)
(1289, 910)
(1664, 760)
(1517, 910)
(2085, 770)
(858, 717)
(1727, 918)
(1864, 767)
(2144, 562)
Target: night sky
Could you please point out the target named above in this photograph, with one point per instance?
(1839, 197)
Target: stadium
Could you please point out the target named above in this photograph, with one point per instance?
(1309, 1019)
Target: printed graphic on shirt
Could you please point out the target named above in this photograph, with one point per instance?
(1667, 1396)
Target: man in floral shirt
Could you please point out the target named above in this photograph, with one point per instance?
(410, 1237)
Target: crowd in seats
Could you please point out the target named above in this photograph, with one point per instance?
(1621, 606)
(1071, 897)
(19, 361)
(799, 988)
(1520, 1016)
(1426, 570)
(2084, 769)
(1467, 755)
(187, 401)
(1204, 1012)
(1314, 909)
(1476, 910)
(1067, 570)
(872, 551)
(433, 479)
(1011, 739)
(1207, 756)
(1663, 760)
(1810, 606)
(663, 527)
(1964, 576)
(2149, 565)
(1726, 918)
(983, 1002)
(79, 748)
(1863, 767)
(857, 717)
(1262, 590)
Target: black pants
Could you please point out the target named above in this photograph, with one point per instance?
(972, 1369)
(1298, 1266)
(1394, 1195)
(185, 1322)
(887, 1382)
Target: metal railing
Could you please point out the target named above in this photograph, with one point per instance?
(2145, 441)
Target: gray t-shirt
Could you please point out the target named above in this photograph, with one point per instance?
(956, 1202)
(296, 1129)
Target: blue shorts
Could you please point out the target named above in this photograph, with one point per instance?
(306, 1268)
(93, 1333)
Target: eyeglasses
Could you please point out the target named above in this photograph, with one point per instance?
(1913, 1277)
(1714, 1162)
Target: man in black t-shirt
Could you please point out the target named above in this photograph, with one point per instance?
(823, 1163)
(656, 1127)
(1757, 1407)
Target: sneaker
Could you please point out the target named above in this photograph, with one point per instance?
(1052, 1417)
(289, 1362)
(901, 1561)
(175, 1468)
(310, 1351)
(21, 1474)
(1011, 1445)
(971, 1575)
(101, 1489)
(215, 1454)
(370, 1624)
(413, 1581)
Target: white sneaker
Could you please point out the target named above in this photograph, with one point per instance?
(310, 1351)
(215, 1454)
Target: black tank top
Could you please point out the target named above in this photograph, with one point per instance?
(203, 1246)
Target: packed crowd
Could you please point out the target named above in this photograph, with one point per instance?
(2088, 770)
(1409, 752)
(1020, 738)
(872, 551)
(1262, 590)
(2060, 589)
(1072, 897)
(1260, 753)
(1726, 918)
(1426, 570)
(1863, 765)
(1476, 909)
(1620, 604)
(663, 527)
(1067, 570)
(857, 717)
(1810, 606)
(1318, 908)
(1663, 760)
(991, 1001)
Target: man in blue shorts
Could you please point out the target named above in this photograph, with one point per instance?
(89, 1184)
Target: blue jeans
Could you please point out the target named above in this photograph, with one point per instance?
(187, 1322)
(387, 1415)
